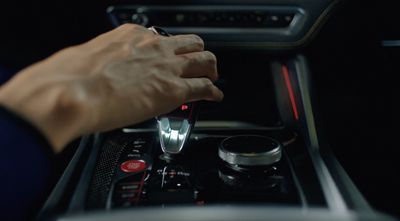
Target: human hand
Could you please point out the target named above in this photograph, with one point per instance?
(121, 77)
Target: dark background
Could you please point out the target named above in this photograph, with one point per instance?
(353, 76)
(355, 92)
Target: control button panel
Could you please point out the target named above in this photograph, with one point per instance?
(144, 178)
(171, 184)
(209, 17)
(174, 178)
(133, 168)
(137, 153)
(263, 26)
(127, 191)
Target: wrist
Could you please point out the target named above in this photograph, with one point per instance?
(48, 106)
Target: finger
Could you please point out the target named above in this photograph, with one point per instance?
(199, 64)
(182, 44)
(203, 89)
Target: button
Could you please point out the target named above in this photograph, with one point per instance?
(131, 155)
(128, 187)
(130, 203)
(200, 18)
(280, 20)
(180, 18)
(175, 183)
(139, 141)
(126, 196)
(133, 166)
(134, 152)
(140, 19)
(138, 146)
(174, 178)
(274, 18)
(288, 18)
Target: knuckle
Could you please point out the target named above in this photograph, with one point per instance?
(173, 66)
(210, 89)
(210, 57)
(207, 83)
(156, 43)
(185, 59)
(198, 41)
(157, 40)
(131, 27)
(211, 60)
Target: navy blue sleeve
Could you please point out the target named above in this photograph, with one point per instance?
(25, 167)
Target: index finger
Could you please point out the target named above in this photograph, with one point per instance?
(202, 89)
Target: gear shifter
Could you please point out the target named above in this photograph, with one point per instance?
(175, 127)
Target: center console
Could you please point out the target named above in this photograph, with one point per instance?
(205, 174)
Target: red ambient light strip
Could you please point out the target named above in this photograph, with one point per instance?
(140, 187)
(289, 87)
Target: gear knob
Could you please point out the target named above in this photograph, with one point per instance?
(175, 128)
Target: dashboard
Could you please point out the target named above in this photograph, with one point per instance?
(247, 24)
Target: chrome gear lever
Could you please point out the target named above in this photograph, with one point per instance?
(175, 127)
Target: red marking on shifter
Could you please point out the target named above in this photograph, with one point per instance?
(184, 107)
(289, 87)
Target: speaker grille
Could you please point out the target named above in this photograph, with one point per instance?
(104, 171)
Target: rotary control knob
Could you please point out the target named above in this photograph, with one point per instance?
(250, 150)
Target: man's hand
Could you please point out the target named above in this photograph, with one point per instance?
(122, 77)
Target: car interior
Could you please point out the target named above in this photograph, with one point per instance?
(305, 130)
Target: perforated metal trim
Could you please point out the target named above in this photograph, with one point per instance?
(104, 172)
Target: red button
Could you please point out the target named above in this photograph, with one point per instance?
(132, 166)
